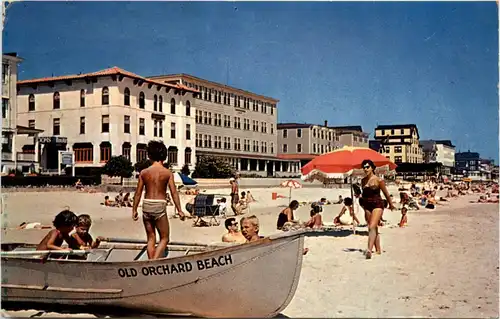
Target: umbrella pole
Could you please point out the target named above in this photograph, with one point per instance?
(354, 209)
(290, 196)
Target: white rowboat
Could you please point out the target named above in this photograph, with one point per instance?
(255, 279)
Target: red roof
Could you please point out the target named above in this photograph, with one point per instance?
(107, 72)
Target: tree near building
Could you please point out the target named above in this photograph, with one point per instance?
(118, 166)
(212, 167)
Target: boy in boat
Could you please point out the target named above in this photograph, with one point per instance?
(233, 235)
(64, 223)
(154, 206)
(250, 229)
(83, 240)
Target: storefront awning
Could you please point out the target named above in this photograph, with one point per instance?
(21, 130)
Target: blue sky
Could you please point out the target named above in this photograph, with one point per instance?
(366, 63)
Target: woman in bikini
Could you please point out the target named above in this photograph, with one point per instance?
(373, 204)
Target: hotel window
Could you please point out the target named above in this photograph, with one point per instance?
(5, 108)
(272, 109)
(285, 148)
(56, 126)
(155, 129)
(402, 131)
(142, 100)
(82, 125)
(105, 96)
(322, 148)
(31, 102)
(155, 103)
(126, 150)
(57, 101)
(160, 128)
(314, 147)
(198, 140)
(142, 127)
(31, 123)
(5, 72)
(105, 149)
(172, 130)
(392, 132)
(397, 149)
(285, 133)
(82, 98)
(160, 104)
(105, 124)
(172, 106)
(172, 155)
(299, 148)
(188, 108)
(272, 147)
(187, 155)
(126, 124)
(209, 118)
(84, 152)
(299, 132)
(188, 131)
(272, 129)
(398, 159)
(126, 97)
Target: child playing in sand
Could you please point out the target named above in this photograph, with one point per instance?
(83, 240)
(404, 217)
(64, 223)
(348, 205)
(316, 220)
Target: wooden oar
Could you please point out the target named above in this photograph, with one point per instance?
(43, 252)
(142, 241)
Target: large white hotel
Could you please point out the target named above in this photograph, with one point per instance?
(116, 112)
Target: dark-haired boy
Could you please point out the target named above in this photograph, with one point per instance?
(154, 205)
(64, 223)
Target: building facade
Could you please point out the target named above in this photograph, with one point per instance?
(441, 151)
(351, 136)
(106, 113)
(469, 164)
(399, 143)
(11, 129)
(305, 141)
(237, 125)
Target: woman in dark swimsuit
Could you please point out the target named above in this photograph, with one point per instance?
(286, 215)
(373, 204)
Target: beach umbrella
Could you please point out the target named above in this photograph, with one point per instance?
(344, 163)
(291, 184)
(181, 179)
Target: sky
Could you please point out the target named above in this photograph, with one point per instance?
(433, 64)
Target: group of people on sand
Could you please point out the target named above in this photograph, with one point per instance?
(369, 199)
(239, 204)
(121, 200)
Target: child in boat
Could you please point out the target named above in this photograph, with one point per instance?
(83, 239)
(64, 223)
(404, 217)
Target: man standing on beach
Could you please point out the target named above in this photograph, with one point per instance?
(235, 198)
(154, 206)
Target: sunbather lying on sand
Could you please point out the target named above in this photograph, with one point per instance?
(33, 225)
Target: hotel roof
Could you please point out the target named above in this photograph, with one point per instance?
(106, 72)
(184, 75)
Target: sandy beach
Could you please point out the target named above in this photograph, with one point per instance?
(444, 264)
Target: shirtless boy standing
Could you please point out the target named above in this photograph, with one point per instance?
(154, 206)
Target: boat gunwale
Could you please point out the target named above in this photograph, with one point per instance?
(207, 254)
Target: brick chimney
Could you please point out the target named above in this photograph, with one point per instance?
(326, 123)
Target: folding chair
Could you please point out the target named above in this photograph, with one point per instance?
(204, 206)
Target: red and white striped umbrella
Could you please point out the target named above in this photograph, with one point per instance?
(291, 183)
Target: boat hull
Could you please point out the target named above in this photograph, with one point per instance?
(251, 280)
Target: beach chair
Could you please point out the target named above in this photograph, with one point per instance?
(204, 206)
